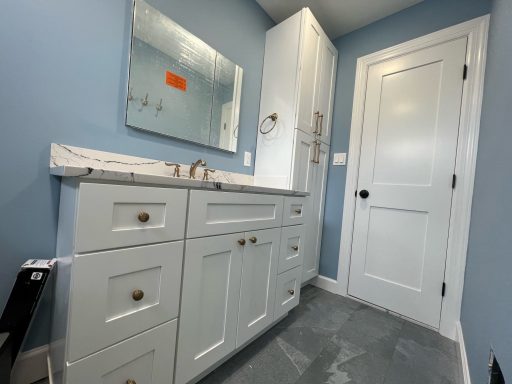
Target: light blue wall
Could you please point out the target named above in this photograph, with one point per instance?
(487, 303)
(63, 75)
(419, 20)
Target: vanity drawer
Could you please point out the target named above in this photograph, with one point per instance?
(113, 216)
(215, 213)
(291, 253)
(287, 291)
(294, 210)
(117, 294)
(147, 358)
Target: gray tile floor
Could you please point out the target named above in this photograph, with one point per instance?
(333, 340)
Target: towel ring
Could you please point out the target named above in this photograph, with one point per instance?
(272, 117)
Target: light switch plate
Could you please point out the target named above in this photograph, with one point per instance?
(247, 159)
(339, 159)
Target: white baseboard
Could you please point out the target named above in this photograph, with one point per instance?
(327, 284)
(31, 366)
(463, 355)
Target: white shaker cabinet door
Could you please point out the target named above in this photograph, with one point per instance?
(209, 305)
(258, 287)
(307, 115)
(303, 155)
(315, 216)
(327, 84)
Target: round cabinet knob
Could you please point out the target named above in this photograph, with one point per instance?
(241, 241)
(137, 295)
(298, 211)
(291, 292)
(143, 217)
(130, 381)
(364, 193)
(253, 239)
(295, 247)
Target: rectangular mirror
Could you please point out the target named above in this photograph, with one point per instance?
(179, 86)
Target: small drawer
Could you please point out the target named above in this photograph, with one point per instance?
(117, 294)
(147, 358)
(291, 253)
(215, 213)
(287, 291)
(294, 210)
(114, 216)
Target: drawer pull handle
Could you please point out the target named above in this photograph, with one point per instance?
(130, 381)
(137, 295)
(295, 247)
(298, 211)
(291, 292)
(143, 217)
(241, 241)
(253, 240)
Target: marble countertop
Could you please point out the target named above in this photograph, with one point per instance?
(68, 161)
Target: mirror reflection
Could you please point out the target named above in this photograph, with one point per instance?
(180, 86)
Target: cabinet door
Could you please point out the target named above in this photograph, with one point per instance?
(315, 218)
(258, 288)
(292, 243)
(309, 74)
(303, 155)
(209, 303)
(326, 86)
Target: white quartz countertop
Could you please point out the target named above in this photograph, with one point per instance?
(68, 161)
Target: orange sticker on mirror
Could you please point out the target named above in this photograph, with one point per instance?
(175, 81)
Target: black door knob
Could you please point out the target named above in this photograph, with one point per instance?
(364, 193)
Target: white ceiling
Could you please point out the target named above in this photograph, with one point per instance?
(337, 17)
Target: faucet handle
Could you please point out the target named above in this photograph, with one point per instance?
(176, 168)
(206, 171)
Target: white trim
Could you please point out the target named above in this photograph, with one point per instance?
(476, 31)
(463, 355)
(31, 366)
(326, 284)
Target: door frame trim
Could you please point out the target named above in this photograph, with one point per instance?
(476, 31)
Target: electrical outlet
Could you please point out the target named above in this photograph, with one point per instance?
(339, 159)
(247, 159)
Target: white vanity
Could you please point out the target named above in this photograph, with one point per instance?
(161, 281)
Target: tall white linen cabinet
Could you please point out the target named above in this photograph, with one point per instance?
(296, 110)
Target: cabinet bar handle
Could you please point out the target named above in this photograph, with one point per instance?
(295, 247)
(317, 114)
(321, 125)
(313, 160)
(241, 241)
(143, 217)
(137, 295)
(291, 292)
(253, 239)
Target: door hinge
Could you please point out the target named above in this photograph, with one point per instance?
(465, 72)
(454, 181)
(443, 289)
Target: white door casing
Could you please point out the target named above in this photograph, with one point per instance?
(476, 31)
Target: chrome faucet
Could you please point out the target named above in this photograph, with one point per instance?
(193, 167)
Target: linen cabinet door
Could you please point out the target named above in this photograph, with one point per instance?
(258, 287)
(327, 84)
(303, 155)
(315, 215)
(307, 116)
(209, 303)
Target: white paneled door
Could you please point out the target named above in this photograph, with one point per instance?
(404, 195)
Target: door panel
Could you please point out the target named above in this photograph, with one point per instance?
(315, 208)
(326, 88)
(408, 151)
(209, 305)
(309, 75)
(258, 287)
(303, 161)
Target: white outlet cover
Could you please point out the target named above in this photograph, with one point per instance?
(247, 159)
(339, 159)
